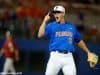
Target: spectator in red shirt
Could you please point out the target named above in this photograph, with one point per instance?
(11, 53)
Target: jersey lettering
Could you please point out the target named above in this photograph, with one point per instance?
(63, 33)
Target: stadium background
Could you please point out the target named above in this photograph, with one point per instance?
(23, 18)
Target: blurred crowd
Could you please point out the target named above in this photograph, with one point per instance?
(20, 16)
(23, 17)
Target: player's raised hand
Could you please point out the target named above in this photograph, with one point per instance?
(43, 25)
(47, 17)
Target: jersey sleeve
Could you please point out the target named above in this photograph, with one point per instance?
(77, 36)
(47, 30)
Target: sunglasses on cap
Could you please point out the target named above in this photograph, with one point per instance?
(56, 12)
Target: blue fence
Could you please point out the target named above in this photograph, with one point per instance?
(41, 45)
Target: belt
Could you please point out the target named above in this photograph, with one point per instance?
(61, 51)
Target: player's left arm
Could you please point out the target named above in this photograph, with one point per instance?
(83, 46)
(78, 39)
(16, 55)
(16, 51)
(92, 57)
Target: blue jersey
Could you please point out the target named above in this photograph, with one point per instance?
(62, 36)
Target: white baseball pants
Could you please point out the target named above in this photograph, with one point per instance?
(8, 66)
(59, 61)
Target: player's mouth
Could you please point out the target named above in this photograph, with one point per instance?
(57, 18)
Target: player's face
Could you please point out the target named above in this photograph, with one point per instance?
(59, 16)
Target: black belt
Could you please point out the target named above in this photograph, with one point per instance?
(61, 51)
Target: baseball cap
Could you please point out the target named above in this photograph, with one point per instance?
(59, 8)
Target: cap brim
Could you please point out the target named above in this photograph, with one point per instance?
(57, 12)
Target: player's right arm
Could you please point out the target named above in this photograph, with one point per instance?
(2, 49)
(1, 52)
(43, 25)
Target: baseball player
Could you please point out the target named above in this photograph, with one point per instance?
(11, 53)
(63, 36)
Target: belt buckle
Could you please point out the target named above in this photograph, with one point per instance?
(64, 52)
